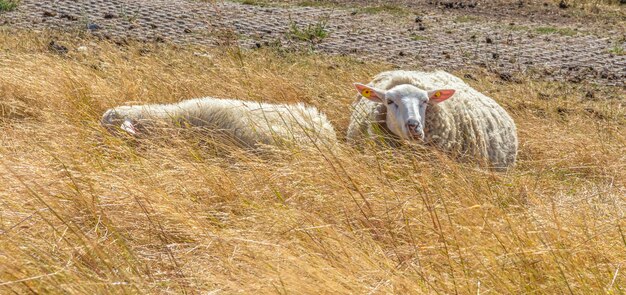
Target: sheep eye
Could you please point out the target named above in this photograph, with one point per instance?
(390, 102)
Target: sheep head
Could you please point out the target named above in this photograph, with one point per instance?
(113, 118)
(406, 107)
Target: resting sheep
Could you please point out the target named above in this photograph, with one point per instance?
(247, 122)
(434, 108)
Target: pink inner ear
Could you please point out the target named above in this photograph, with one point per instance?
(366, 92)
(359, 87)
(440, 95)
(129, 127)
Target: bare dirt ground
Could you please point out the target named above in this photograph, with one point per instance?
(540, 38)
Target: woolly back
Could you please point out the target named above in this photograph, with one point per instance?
(470, 124)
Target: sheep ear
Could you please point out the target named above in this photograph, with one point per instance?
(370, 93)
(439, 95)
(129, 127)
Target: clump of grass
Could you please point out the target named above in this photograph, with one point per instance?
(555, 30)
(312, 32)
(419, 37)
(465, 19)
(8, 5)
(544, 30)
(517, 28)
(313, 3)
(591, 2)
(254, 2)
(617, 50)
(385, 8)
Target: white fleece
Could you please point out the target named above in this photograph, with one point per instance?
(469, 124)
(248, 122)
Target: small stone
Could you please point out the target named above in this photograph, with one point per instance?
(69, 17)
(506, 77)
(121, 42)
(57, 48)
(202, 54)
(563, 111)
(595, 113)
(470, 77)
(575, 79)
(104, 36)
(109, 15)
(49, 13)
(543, 96)
(93, 27)
(187, 31)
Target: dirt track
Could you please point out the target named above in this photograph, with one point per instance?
(532, 38)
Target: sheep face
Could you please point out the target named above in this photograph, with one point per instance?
(115, 116)
(406, 107)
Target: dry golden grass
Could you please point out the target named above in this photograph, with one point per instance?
(84, 212)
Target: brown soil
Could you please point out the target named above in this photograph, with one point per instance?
(507, 37)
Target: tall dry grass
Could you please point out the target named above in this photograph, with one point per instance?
(84, 212)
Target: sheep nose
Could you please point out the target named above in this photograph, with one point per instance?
(412, 124)
(415, 129)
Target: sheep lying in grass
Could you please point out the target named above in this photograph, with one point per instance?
(247, 122)
(434, 108)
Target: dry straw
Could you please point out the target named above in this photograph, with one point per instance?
(83, 212)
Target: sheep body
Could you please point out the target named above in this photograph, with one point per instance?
(469, 124)
(249, 123)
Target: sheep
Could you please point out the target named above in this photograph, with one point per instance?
(434, 108)
(249, 123)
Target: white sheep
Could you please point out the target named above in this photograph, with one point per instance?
(247, 122)
(434, 108)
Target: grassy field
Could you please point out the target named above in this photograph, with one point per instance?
(84, 212)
